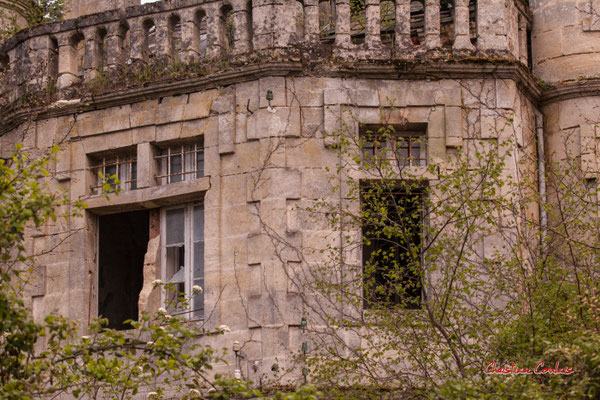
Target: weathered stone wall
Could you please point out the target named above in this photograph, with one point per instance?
(261, 164)
(77, 8)
(566, 39)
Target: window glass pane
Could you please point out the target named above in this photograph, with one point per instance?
(176, 169)
(109, 171)
(198, 300)
(200, 163)
(175, 264)
(133, 176)
(124, 176)
(198, 222)
(198, 260)
(175, 226)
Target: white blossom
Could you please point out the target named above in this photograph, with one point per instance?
(85, 337)
(157, 282)
(224, 328)
(162, 310)
(152, 395)
(150, 343)
(197, 288)
(194, 393)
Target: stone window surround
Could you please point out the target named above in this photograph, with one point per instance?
(149, 193)
(412, 136)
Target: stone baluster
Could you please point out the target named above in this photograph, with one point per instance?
(137, 38)
(242, 27)
(342, 24)
(373, 28)
(67, 61)
(492, 22)
(113, 56)
(462, 39)
(523, 51)
(215, 31)
(91, 58)
(190, 46)
(163, 46)
(432, 24)
(402, 26)
(311, 21)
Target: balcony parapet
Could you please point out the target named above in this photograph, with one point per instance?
(59, 57)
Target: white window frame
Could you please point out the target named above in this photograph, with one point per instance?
(188, 235)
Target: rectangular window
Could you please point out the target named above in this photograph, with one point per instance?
(119, 172)
(181, 163)
(403, 146)
(392, 229)
(183, 252)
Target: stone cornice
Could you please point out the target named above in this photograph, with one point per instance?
(570, 90)
(399, 71)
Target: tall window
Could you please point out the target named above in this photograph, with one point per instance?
(392, 243)
(115, 172)
(397, 144)
(183, 253)
(181, 163)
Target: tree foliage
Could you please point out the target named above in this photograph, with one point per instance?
(15, 13)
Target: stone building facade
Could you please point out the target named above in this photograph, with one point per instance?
(210, 157)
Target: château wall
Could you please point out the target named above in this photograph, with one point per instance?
(263, 159)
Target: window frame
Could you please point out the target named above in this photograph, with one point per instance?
(416, 189)
(100, 164)
(188, 243)
(165, 175)
(414, 136)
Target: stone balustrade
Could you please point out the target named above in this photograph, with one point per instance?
(58, 56)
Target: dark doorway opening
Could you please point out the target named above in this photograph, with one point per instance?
(122, 247)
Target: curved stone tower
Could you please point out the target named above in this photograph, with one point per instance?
(218, 118)
(566, 55)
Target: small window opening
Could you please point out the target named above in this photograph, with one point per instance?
(387, 10)
(249, 20)
(123, 242)
(327, 20)
(201, 32)
(175, 35)
(299, 17)
(149, 47)
(417, 23)
(401, 145)
(447, 22)
(102, 44)
(181, 163)
(392, 230)
(115, 172)
(473, 21)
(53, 59)
(358, 21)
(228, 25)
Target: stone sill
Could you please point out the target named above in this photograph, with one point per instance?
(151, 197)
